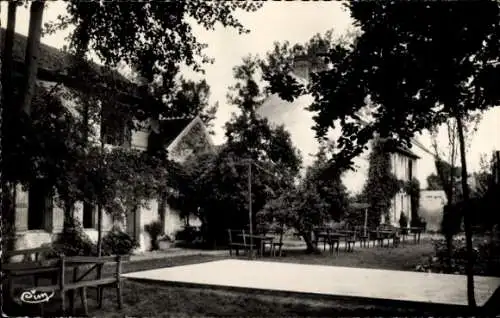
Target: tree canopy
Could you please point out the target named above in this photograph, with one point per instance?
(414, 65)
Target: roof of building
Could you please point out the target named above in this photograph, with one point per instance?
(172, 127)
(406, 151)
(53, 61)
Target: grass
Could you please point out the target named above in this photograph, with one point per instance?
(142, 299)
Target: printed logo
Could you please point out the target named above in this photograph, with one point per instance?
(33, 296)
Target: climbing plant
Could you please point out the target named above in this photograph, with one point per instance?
(381, 185)
(412, 188)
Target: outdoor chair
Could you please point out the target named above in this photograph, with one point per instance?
(396, 238)
(378, 239)
(403, 232)
(334, 242)
(277, 246)
(350, 240)
(364, 239)
(237, 240)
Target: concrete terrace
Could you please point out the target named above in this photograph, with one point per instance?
(325, 281)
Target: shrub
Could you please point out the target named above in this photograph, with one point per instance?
(486, 260)
(403, 220)
(73, 241)
(187, 234)
(154, 229)
(117, 242)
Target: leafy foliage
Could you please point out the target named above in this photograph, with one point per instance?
(382, 185)
(214, 186)
(403, 221)
(412, 187)
(486, 261)
(73, 241)
(117, 242)
(153, 39)
(154, 229)
(317, 199)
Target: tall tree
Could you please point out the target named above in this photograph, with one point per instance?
(218, 183)
(152, 37)
(7, 109)
(32, 55)
(416, 71)
(251, 136)
(316, 199)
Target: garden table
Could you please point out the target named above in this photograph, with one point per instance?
(259, 240)
(329, 237)
(416, 231)
(381, 236)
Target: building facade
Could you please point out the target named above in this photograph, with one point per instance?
(38, 220)
(299, 122)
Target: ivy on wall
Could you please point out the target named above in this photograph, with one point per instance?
(412, 187)
(195, 141)
(382, 185)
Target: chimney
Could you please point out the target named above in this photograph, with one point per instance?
(304, 65)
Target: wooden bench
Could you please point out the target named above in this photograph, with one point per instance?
(34, 263)
(62, 285)
(78, 283)
(237, 241)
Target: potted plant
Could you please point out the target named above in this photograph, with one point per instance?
(165, 242)
(403, 223)
(118, 242)
(154, 229)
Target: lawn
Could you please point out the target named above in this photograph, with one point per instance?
(160, 301)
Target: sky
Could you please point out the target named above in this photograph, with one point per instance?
(296, 22)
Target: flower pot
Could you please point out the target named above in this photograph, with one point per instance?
(164, 245)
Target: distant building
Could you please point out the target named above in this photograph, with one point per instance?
(432, 203)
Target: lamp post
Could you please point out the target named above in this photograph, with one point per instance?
(250, 216)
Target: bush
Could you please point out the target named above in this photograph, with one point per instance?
(486, 258)
(117, 242)
(154, 229)
(73, 241)
(187, 234)
(403, 221)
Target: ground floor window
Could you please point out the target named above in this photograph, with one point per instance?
(39, 204)
(88, 215)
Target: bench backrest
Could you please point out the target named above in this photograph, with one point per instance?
(236, 236)
(28, 255)
(93, 262)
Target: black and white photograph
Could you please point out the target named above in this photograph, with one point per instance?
(202, 158)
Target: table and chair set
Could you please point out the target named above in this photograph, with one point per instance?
(381, 236)
(260, 242)
(271, 242)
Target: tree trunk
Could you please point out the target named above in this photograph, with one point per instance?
(467, 225)
(7, 54)
(7, 188)
(99, 230)
(310, 247)
(32, 55)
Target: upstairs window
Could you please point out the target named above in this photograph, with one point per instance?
(410, 169)
(114, 128)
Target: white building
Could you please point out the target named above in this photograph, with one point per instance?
(38, 220)
(299, 122)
